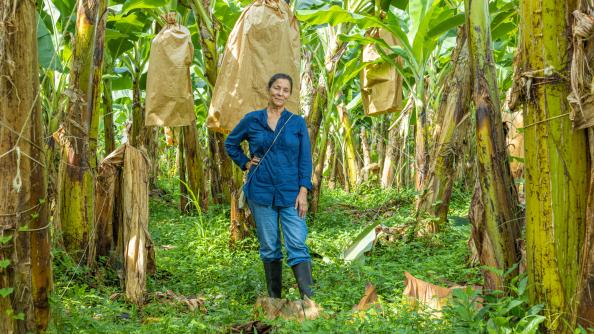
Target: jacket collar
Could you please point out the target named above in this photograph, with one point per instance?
(263, 117)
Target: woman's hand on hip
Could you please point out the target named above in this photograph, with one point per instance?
(301, 202)
(254, 162)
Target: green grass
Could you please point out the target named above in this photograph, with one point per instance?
(194, 260)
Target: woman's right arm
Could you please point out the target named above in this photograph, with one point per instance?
(233, 143)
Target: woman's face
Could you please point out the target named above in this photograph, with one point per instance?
(280, 92)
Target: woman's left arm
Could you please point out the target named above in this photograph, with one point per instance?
(304, 170)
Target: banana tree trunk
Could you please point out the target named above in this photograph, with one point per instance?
(96, 82)
(153, 152)
(220, 189)
(421, 141)
(435, 196)
(366, 154)
(344, 180)
(228, 171)
(53, 117)
(94, 91)
(242, 223)
(195, 171)
(382, 134)
(25, 276)
(216, 188)
(108, 126)
(333, 163)
(556, 165)
(389, 164)
(586, 306)
(352, 166)
(308, 92)
(138, 136)
(76, 176)
(498, 193)
(182, 170)
(318, 174)
(314, 120)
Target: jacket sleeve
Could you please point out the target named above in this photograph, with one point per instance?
(233, 143)
(305, 165)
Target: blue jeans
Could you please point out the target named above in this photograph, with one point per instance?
(294, 229)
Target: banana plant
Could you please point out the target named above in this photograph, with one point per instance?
(426, 21)
(337, 64)
(427, 25)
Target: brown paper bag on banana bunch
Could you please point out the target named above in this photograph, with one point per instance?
(264, 41)
(381, 85)
(169, 97)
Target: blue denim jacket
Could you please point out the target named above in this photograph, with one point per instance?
(286, 167)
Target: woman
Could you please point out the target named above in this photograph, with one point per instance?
(278, 180)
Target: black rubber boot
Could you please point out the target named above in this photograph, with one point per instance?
(302, 272)
(274, 278)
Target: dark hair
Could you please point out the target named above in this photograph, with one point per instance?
(280, 76)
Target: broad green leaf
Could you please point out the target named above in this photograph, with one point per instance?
(333, 16)
(532, 325)
(47, 20)
(336, 15)
(4, 263)
(46, 53)
(310, 4)
(142, 82)
(4, 239)
(354, 102)
(536, 309)
(139, 4)
(118, 46)
(128, 24)
(227, 13)
(400, 4)
(122, 30)
(111, 34)
(445, 25)
(121, 82)
(65, 7)
(421, 49)
(522, 285)
(502, 30)
(198, 72)
(417, 10)
(502, 14)
(363, 40)
(4, 292)
(350, 70)
(387, 57)
(512, 304)
(362, 243)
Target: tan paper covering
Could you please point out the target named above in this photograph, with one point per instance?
(381, 85)
(264, 41)
(169, 98)
(122, 201)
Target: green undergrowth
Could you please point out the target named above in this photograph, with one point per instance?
(194, 261)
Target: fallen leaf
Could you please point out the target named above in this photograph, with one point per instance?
(252, 327)
(288, 309)
(193, 303)
(368, 300)
(430, 295)
(362, 244)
